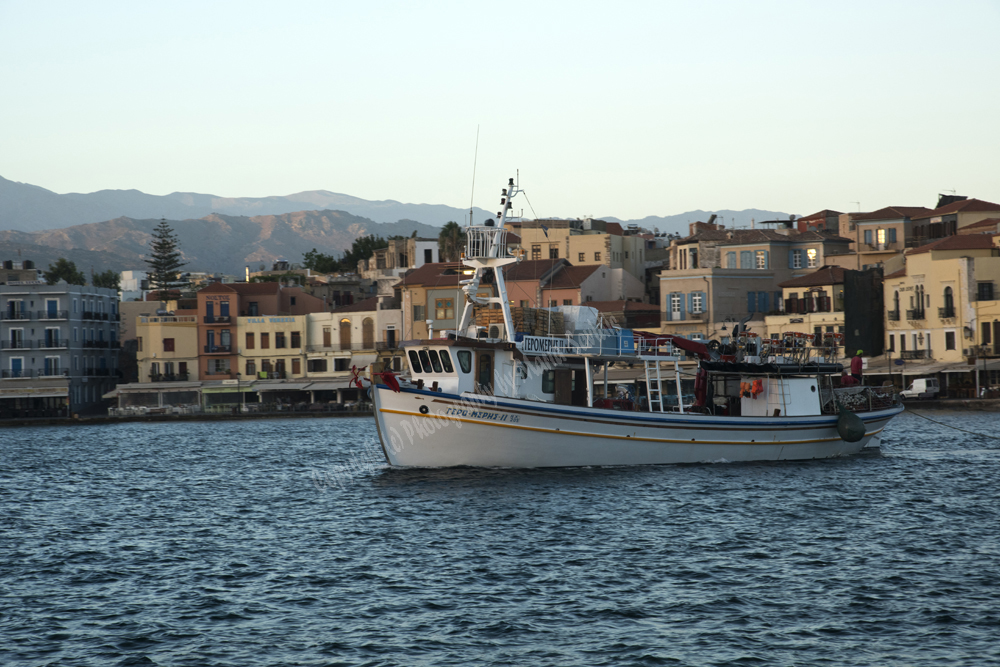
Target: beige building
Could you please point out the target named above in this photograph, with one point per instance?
(877, 236)
(167, 346)
(812, 304)
(357, 335)
(951, 216)
(735, 277)
(934, 303)
(271, 347)
(583, 242)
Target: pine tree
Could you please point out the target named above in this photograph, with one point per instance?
(164, 259)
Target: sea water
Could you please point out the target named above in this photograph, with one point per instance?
(290, 542)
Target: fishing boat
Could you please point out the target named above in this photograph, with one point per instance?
(507, 397)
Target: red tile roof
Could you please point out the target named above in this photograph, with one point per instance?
(893, 213)
(534, 269)
(614, 228)
(964, 206)
(988, 223)
(897, 274)
(439, 274)
(827, 275)
(962, 242)
(246, 289)
(820, 215)
(573, 276)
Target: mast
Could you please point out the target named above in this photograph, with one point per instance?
(486, 248)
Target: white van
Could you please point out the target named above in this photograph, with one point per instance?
(922, 388)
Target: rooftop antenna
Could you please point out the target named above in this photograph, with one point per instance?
(475, 159)
(859, 205)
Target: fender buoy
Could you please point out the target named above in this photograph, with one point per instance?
(849, 426)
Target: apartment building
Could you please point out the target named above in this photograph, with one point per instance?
(951, 215)
(58, 347)
(358, 335)
(877, 236)
(221, 305)
(934, 303)
(584, 242)
(167, 345)
(557, 282)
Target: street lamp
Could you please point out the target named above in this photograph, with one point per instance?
(239, 391)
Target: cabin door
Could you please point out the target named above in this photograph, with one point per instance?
(484, 373)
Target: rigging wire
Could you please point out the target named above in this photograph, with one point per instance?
(982, 435)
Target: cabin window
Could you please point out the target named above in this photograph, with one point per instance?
(425, 361)
(415, 363)
(549, 382)
(465, 360)
(446, 362)
(435, 360)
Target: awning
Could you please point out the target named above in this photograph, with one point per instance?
(35, 392)
(111, 394)
(330, 386)
(228, 389)
(283, 386)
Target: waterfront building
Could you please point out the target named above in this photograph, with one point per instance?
(167, 345)
(940, 307)
(812, 304)
(556, 282)
(432, 299)
(58, 347)
(877, 236)
(219, 306)
(583, 243)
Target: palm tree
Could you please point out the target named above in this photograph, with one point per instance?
(451, 242)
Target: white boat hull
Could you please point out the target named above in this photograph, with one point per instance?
(420, 428)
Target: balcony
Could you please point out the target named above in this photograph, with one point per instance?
(97, 344)
(15, 344)
(54, 373)
(23, 315)
(347, 347)
(219, 374)
(892, 315)
(97, 372)
(915, 314)
(10, 374)
(52, 315)
(53, 344)
(915, 354)
(218, 319)
(218, 349)
(168, 377)
(88, 315)
(947, 312)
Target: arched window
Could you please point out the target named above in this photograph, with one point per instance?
(368, 333)
(345, 334)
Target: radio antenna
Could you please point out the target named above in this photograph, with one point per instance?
(475, 159)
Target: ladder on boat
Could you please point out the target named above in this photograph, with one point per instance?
(654, 386)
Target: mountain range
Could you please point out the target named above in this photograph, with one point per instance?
(111, 229)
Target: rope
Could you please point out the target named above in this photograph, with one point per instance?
(982, 435)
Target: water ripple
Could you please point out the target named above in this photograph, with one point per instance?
(290, 542)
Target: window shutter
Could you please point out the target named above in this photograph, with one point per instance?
(767, 259)
(691, 302)
(762, 302)
(751, 301)
(681, 295)
(791, 258)
(777, 301)
(704, 302)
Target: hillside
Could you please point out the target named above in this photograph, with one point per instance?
(212, 243)
(28, 207)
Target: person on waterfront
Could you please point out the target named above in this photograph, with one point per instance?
(847, 380)
(856, 365)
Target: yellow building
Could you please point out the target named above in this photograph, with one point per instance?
(813, 304)
(354, 336)
(167, 347)
(272, 346)
(584, 242)
(933, 304)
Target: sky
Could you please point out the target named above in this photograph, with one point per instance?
(623, 109)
